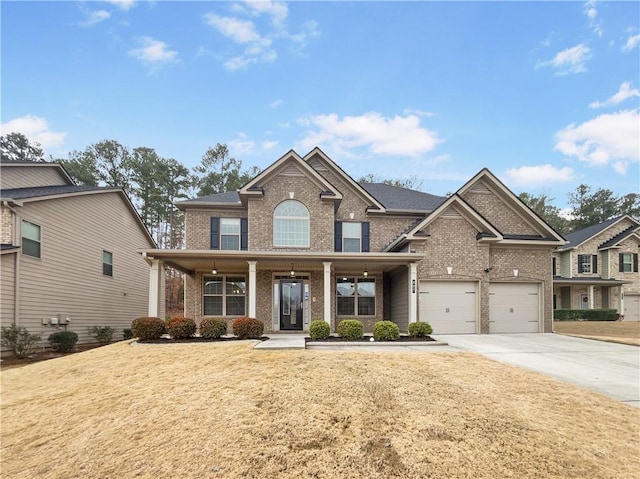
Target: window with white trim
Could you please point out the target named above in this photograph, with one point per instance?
(587, 263)
(223, 295)
(351, 237)
(291, 224)
(230, 233)
(31, 239)
(356, 296)
(107, 263)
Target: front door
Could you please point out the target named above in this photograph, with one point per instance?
(291, 305)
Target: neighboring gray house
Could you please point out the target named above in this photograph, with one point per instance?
(68, 257)
(303, 241)
(598, 268)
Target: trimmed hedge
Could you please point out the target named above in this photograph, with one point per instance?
(420, 330)
(350, 329)
(319, 329)
(147, 328)
(386, 331)
(585, 314)
(247, 328)
(63, 341)
(180, 327)
(213, 328)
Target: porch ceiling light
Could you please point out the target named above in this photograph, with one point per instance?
(292, 273)
(214, 270)
(365, 273)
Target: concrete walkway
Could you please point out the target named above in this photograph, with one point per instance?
(282, 341)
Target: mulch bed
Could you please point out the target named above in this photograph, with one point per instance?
(366, 339)
(195, 339)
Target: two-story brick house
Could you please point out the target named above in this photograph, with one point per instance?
(598, 268)
(304, 241)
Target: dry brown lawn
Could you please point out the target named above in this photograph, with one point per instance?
(226, 410)
(626, 332)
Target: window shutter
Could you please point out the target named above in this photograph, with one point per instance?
(553, 266)
(365, 237)
(594, 263)
(580, 268)
(337, 231)
(244, 234)
(635, 262)
(215, 232)
(620, 262)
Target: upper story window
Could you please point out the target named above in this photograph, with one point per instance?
(351, 237)
(628, 262)
(107, 263)
(31, 239)
(291, 224)
(587, 263)
(229, 233)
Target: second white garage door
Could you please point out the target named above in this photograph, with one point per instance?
(631, 307)
(514, 307)
(450, 307)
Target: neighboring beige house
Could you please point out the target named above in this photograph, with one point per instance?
(598, 268)
(303, 241)
(69, 253)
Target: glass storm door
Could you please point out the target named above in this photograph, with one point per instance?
(291, 305)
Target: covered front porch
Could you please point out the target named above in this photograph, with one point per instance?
(588, 293)
(288, 290)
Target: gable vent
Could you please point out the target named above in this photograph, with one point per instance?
(291, 170)
(480, 187)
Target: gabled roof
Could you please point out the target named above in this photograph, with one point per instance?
(396, 198)
(517, 205)
(576, 238)
(254, 188)
(40, 164)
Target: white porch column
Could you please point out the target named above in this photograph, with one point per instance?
(620, 301)
(591, 296)
(413, 293)
(253, 293)
(327, 291)
(155, 283)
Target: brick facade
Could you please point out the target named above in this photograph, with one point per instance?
(6, 226)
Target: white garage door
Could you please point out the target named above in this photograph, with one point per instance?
(449, 307)
(514, 308)
(631, 307)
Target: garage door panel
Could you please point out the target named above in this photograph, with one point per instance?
(631, 307)
(514, 308)
(450, 307)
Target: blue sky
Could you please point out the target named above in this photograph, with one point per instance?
(545, 94)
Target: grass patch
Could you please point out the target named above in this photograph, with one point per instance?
(626, 332)
(226, 410)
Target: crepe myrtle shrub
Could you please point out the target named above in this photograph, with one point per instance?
(19, 340)
(247, 328)
(319, 329)
(63, 341)
(386, 331)
(147, 328)
(103, 334)
(420, 330)
(181, 327)
(350, 329)
(213, 328)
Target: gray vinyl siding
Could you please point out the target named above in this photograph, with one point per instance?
(400, 297)
(7, 285)
(605, 272)
(31, 176)
(68, 277)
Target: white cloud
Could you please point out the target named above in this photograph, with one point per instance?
(241, 145)
(612, 138)
(36, 129)
(269, 144)
(399, 135)
(592, 13)
(570, 60)
(411, 111)
(240, 31)
(275, 103)
(153, 52)
(94, 17)
(632, 42)
(123, 4)
(539, 175)
(277, 10)
(625, 92)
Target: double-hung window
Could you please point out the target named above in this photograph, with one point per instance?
(351, 237)
(291, 225)
(223, 295)
(31, 239)
(229, 233)
(587, 263)
(628, 262)
(356, 296)
(107, 263)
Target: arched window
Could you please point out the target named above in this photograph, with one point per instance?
(291, 224)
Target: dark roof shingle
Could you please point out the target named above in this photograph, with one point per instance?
(398, 198)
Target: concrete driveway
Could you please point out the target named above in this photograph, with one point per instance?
(607, 368)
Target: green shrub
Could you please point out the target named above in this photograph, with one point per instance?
(386, 331)
(319, 329)
(350, 329)
(103, 334)
(63, 341)
(247, 328)
(127, 334)
(181, 327)
(147, 328)
(19, 340)
(585, 314)
(566, 314)
(213, 328)
(420, 330)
